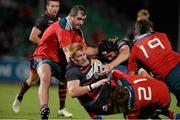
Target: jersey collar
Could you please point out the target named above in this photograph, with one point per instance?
(68, 24)
(139, 38)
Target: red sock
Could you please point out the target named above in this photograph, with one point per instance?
(62, 95)
(168, 113)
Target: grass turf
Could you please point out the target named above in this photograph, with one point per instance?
(30, 105)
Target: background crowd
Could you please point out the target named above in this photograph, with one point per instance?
(105, 19)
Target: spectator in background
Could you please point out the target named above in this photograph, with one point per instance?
(49, 17)
(141, 14)
(97, 36)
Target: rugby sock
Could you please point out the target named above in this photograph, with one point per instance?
(62, 95)
(24, 88)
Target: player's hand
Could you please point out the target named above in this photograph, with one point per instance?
(101, 82)
(107, 68)
(97, 84)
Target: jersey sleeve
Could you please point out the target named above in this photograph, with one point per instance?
(63, 36)
(41, 23)
(120, 43)
(73, 73)
(132, 62)
(168, 43)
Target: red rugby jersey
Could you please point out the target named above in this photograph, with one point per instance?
(146, 92)
(60, 34)
(153, 51)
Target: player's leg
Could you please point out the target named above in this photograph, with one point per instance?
(32, 80)
(62, 95)
(173, 81)
(170, 114)
(62, 98)
(60, 75)
(45, 74)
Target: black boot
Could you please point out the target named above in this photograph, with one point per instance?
(45, 113)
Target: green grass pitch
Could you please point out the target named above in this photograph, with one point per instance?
(30, 105)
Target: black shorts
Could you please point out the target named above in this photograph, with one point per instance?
(58, 70)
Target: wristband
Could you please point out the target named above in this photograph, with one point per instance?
(92, 86)
(89, 87)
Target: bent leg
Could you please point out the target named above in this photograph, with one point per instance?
(32, 79)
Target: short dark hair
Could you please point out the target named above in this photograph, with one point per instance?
(47, 1)
(143, 26)
(107, 45)
(77, 8)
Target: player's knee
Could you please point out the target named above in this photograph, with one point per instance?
(45, 78)
(32, 81)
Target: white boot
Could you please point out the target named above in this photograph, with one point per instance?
(64, 112)
(16, 105)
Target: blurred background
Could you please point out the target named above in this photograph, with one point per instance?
(105, 18)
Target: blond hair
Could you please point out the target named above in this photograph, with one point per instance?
(74, 48)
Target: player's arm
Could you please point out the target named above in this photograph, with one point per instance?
(34, 36)
(124, 53)
(76, 90)
(132, 63)
(91, 51)
(66, 52)
(39, 27)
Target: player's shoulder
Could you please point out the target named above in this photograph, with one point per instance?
(64, 24)
(42, 18)
(161, 34)
(120, 43)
